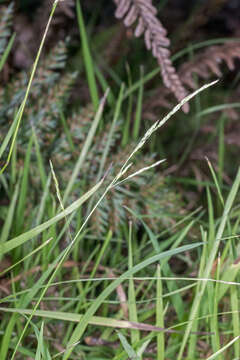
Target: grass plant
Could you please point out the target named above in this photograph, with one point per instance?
(156, 285)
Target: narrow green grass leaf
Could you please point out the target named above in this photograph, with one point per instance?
(126, 125)
(143, 347)
(39, 337)
(66, 128)
(214, 319)
(87, 58)
(216, 108)
(166, 270)
(6, 339)
(109, 139)
(40, 162)
(160, 317)
(24, 188)
(7, 51)
(25, 257)
(9, 219)
(235, 318)
(111, 132)
(216, 181)
(56, 186)
(14, 170)
(42, 350)
(43, 202)
(85, 148)
(137, 120)
(19, 115)
(127, 347)
(76, 318)
(138, 83)
(221, 148)
(8, 136)
(21, 239)
(229, 275)
(211, 222)
(100, 255)
(105, 85)
(216, 355)
(152, 237)
(193, 338)
(135, 335)
(210, 261)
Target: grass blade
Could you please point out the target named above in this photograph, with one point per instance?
(127, 347)
(160, 317)
(209, 263)
(137, 120)
(87, 58)
(85, 148)
(24, 187)
(20, 112)
(78, 332)
(9, 219)
(76, 318)
(21, 239)
(135, 336)
(7, 51)
(214, 356)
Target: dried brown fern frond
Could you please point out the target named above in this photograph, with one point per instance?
(155, 36)
(205, 65)
(208, 62)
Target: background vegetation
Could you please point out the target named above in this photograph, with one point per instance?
(96, 263)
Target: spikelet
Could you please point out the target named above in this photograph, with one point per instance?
(156, 40)
(5, 26)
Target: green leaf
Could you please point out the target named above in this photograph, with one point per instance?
(21, 239)
(7, 51)
(127, 347)
(87, 58)
(76, 318)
